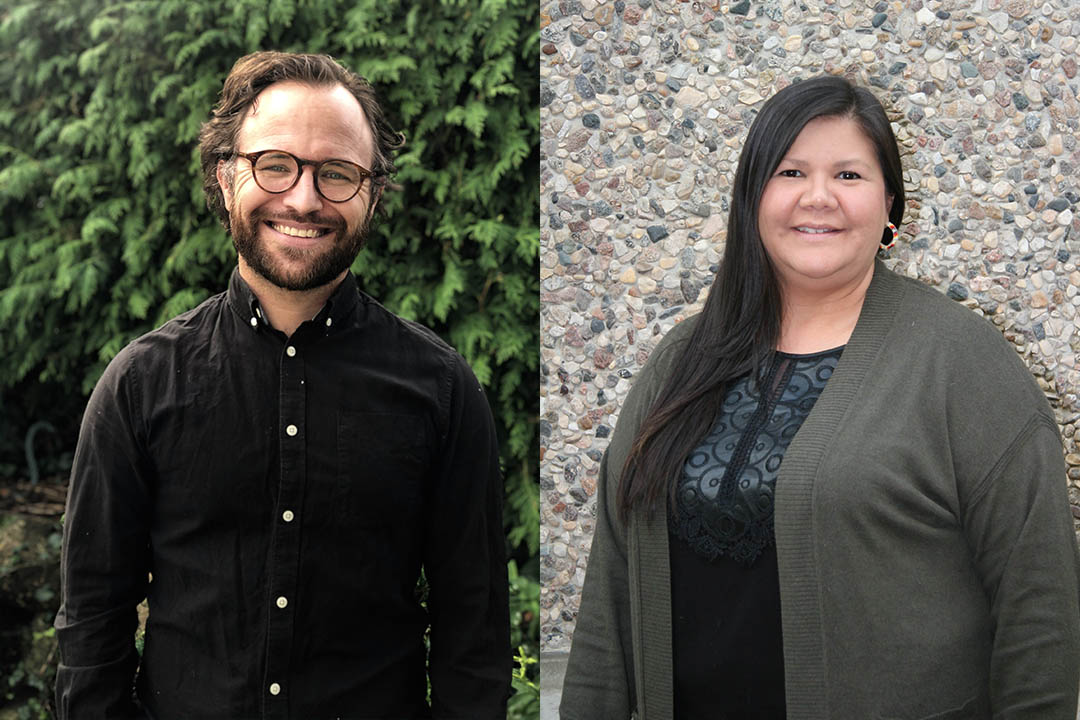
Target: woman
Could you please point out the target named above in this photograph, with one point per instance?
(913, 557)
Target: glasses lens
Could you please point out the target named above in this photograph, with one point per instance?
(339, 180)
(275, 172)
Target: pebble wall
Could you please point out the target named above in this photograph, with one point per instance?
(644, 107)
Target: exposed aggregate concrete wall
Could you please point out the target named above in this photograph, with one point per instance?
(644, 107)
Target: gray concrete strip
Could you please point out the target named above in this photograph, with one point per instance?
(552, 672)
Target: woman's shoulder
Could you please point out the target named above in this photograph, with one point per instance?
(971, 349)
(675, 338)
(947, 322)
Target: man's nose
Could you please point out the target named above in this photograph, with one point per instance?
(303, 197)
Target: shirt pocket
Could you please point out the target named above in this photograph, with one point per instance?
(383, 459)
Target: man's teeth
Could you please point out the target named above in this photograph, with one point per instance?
(296, 232)
(814, 230)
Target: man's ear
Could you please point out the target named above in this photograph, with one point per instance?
(376, 195)
(225, 181)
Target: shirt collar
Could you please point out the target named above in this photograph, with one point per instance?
(340, 305)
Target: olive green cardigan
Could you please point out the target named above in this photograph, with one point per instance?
(928, 564)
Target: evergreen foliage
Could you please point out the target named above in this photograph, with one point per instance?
(104, 231)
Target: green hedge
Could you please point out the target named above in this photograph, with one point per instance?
(104, 232)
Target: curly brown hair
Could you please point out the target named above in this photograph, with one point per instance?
(254, 73)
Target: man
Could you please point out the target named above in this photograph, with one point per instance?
(284, 459)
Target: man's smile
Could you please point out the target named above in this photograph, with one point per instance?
(298, 231)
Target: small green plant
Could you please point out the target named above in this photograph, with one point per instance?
(525, 702)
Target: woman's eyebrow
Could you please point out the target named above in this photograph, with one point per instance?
(836, 164)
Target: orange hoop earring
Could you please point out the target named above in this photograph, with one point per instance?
(895, 236)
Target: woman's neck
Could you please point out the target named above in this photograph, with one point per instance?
(817, 318)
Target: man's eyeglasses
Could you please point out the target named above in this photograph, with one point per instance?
(277, 171)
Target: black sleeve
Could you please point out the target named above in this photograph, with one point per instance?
(465, 564)
(105, 558)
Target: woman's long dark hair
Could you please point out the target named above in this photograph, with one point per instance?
(739, 326)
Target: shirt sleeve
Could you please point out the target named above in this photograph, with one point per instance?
(1020, 530)
(105, 557)
(465, 564)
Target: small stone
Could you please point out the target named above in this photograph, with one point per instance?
(957, 291)
(1020, 101)
(584, 87)
(690, 97)
(590, 120)
(749, 97)
(879, 19)
(1058, 204)
(1033, 91)
(1018, 8)
(793, 43)
(742, 8)
(646, 285)
(999, 21)
(968, 69)
(1039, 299)
(925, 16)
(656, 232)
(629, 277)
(603, 358)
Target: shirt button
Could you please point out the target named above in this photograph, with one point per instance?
(254, 322)
(275, 689)
(287, 516)
(329, 322)
(290, 351)
(291, 430)
(282, 601)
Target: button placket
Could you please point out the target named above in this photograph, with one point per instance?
(285, 541)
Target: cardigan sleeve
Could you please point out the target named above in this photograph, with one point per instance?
(599, 680)
(1020, 531)
(600, 674)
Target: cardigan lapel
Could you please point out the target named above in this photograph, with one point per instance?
(800, 590)
(650, 574)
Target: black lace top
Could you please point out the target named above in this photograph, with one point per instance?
(725, 594)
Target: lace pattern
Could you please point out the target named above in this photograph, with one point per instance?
(725, 497)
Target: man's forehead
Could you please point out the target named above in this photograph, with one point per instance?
(316, 116)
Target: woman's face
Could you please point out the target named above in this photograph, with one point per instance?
(824, 208)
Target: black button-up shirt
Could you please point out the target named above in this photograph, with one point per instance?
(283, 494)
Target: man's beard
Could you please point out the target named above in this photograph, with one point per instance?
(321, 265)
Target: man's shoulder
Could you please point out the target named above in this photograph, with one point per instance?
(180, 329)
(405, 334)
